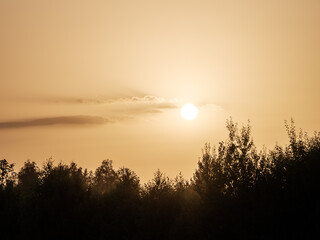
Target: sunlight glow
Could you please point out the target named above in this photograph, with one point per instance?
(189, 111)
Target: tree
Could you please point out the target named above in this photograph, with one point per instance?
(105, 178)
(7, 174)
(128, 180)
(159, 186)
(179, 183)
(208, 179)
(230, 168)
(240, 158)
(28, 178)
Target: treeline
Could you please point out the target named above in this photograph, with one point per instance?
(236, 192)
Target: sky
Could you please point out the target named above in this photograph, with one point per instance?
(88, 80)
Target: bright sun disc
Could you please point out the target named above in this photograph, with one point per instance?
(189, 111)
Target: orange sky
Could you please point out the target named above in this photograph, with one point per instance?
(88, 80)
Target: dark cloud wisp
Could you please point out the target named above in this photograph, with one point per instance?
(62, 120)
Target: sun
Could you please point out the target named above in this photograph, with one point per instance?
(189, 111)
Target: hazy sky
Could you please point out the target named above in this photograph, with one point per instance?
(88, 80)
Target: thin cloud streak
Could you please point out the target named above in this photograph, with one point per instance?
(63, 120)
(134, 105)
(146, 103)
(147, 99)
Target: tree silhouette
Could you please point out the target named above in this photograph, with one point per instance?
(105, 178)
(9, 200)
(29, 179)
(7, 173)
(235, 192)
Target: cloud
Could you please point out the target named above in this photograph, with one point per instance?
(62, 120)
(147, 99)
(146, 103)
(134, 105)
